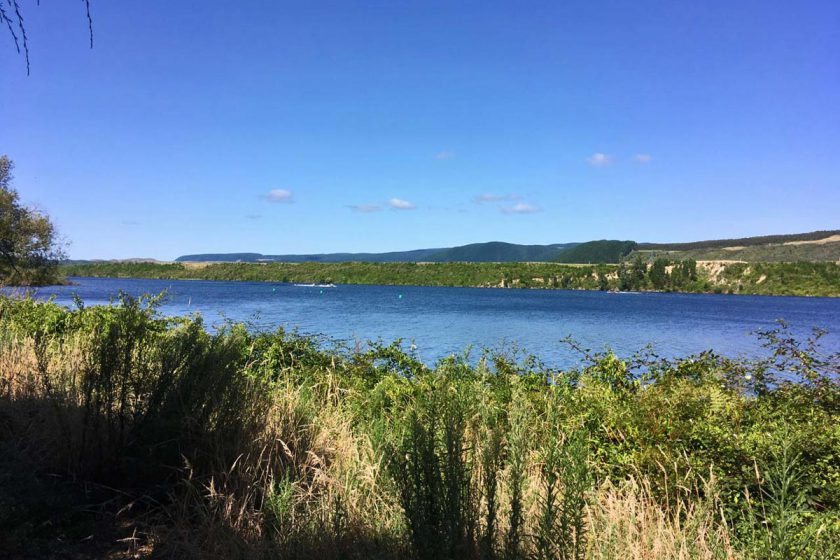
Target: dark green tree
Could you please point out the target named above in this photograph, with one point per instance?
(691, 269)
(638, 273)
(684, 273)
(659, 274)
(625, 282)
(603, 282)
(29, 246)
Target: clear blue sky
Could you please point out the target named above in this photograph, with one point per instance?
(282, 127)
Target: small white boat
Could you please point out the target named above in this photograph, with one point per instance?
(305, 285)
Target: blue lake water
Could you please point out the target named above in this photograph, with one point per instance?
(441, 321)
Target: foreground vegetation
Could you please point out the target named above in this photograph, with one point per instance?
(805, 279)
(123, 432)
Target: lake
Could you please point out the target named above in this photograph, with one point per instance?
(441, 321)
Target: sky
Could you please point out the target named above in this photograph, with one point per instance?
(302, 127)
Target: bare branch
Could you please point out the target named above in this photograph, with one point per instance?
(10, 14)
(14, 4)
(90, 21)
(5, 18)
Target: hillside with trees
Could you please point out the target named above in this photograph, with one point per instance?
(603, 251)
(492, 251)
(817, 246)
(740, 242)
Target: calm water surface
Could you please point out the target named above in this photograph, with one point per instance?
(441, 321)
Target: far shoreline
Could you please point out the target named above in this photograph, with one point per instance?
(69, 282)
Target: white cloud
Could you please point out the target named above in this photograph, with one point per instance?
(400, 204)
(521, 208)
(446, 154)
(642, 158)
(599, 160)
(279, 195)
(488, 197)
(365, 208)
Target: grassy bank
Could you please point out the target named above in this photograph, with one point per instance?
(808, 279)
(126, 433)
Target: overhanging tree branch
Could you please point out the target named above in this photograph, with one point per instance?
(11, 15)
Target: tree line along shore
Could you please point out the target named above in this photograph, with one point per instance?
(797, 278)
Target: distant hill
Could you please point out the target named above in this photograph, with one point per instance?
(97, 261)
(399, 256)
(741, 242)
(595, 252)
(493, 251)
(496, 251)
(816, 246)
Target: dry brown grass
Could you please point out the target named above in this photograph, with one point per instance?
(626, 522)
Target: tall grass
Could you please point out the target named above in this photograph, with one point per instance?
(626, 520)
(239, 444)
